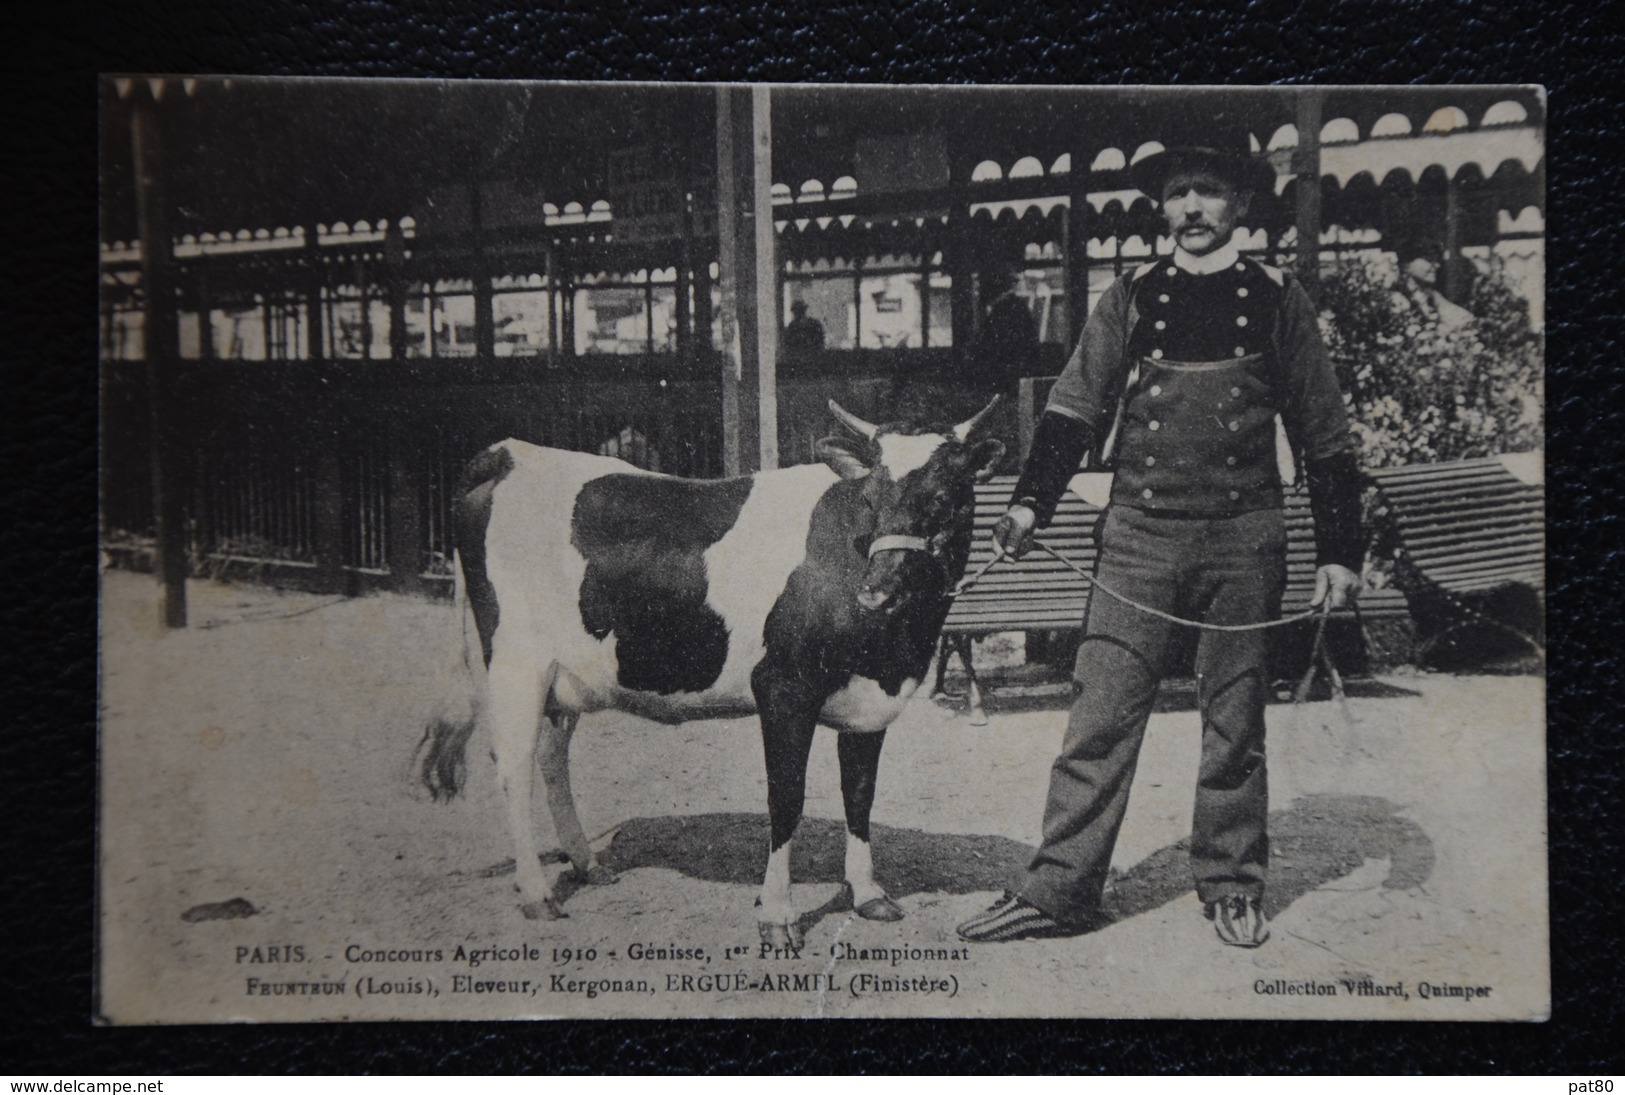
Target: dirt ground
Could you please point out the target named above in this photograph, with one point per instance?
(268, 854)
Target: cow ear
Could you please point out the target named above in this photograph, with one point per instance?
(846, 457)
(985, 457)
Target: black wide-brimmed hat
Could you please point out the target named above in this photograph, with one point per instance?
(1221, 147)
(1412, 247)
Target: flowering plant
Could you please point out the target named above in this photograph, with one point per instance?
(1421, 388)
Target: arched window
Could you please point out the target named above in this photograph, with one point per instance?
(1109, 159)
(1147, 149)
(1391, 125)
(1339, 131)
(1446, 120)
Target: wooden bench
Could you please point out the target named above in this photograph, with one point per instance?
(1471, 544)
(1040, 594)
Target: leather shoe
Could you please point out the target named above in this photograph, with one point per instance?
(1011, 918)
(1239, 920)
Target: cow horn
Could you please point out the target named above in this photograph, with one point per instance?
(852, 421)
(963, 430)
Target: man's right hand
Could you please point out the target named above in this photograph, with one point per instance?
(1013, 535)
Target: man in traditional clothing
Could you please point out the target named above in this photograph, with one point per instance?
(1184, 371)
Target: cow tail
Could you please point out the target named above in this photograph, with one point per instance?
(445, 738)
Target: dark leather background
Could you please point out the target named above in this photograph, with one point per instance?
(48, 646)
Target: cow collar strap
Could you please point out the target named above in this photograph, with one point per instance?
(896, 543)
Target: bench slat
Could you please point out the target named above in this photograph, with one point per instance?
(1468, 525)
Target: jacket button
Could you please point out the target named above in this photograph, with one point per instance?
(1241, 321)
(1241, 266)
(1235, 495)
(1146, 493)
(1242, 291)
(1156, 389)
(1235, 391)
(1162, 325)
(1163, 297)
(1234, 426)
(1231, 460)
(1241, 351)
(1153, 425)
(1151, 461)
(1172, 271)
(1156, 354)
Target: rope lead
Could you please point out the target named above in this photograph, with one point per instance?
(970, 580)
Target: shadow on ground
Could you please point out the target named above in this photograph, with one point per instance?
(1317, 840)
(1314, 841)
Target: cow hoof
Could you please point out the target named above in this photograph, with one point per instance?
(598, 875)
(545, 909)
(881, 908)
(978, 717)
(781, 937)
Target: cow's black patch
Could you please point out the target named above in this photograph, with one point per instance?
(644, 538)
(471, 516)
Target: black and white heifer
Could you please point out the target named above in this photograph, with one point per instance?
(809, 594)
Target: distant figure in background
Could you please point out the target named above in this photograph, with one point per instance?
(632, 445)
(803, 332)
(1006, 349)
(1420, 264)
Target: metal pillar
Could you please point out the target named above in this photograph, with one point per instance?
(484, 299)
(1451, 282)
(1306, 166)
(161, 335)
(959, 260)
(749, 279)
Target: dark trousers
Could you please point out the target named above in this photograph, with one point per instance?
(1224, 570)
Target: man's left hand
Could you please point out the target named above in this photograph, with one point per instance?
(1339, 583)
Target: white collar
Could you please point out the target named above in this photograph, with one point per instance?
(1210, 263)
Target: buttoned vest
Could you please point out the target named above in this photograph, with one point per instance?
(1197, 430)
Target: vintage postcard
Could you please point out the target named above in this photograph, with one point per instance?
(784, 551)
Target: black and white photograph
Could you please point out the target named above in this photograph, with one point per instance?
(585, 550)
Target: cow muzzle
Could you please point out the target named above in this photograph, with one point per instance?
(884, 586)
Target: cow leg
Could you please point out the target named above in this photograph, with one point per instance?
(789, 714)
(515, 709)
(557, 730)
(860, 759)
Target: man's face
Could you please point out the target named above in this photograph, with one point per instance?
(1202, 209)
